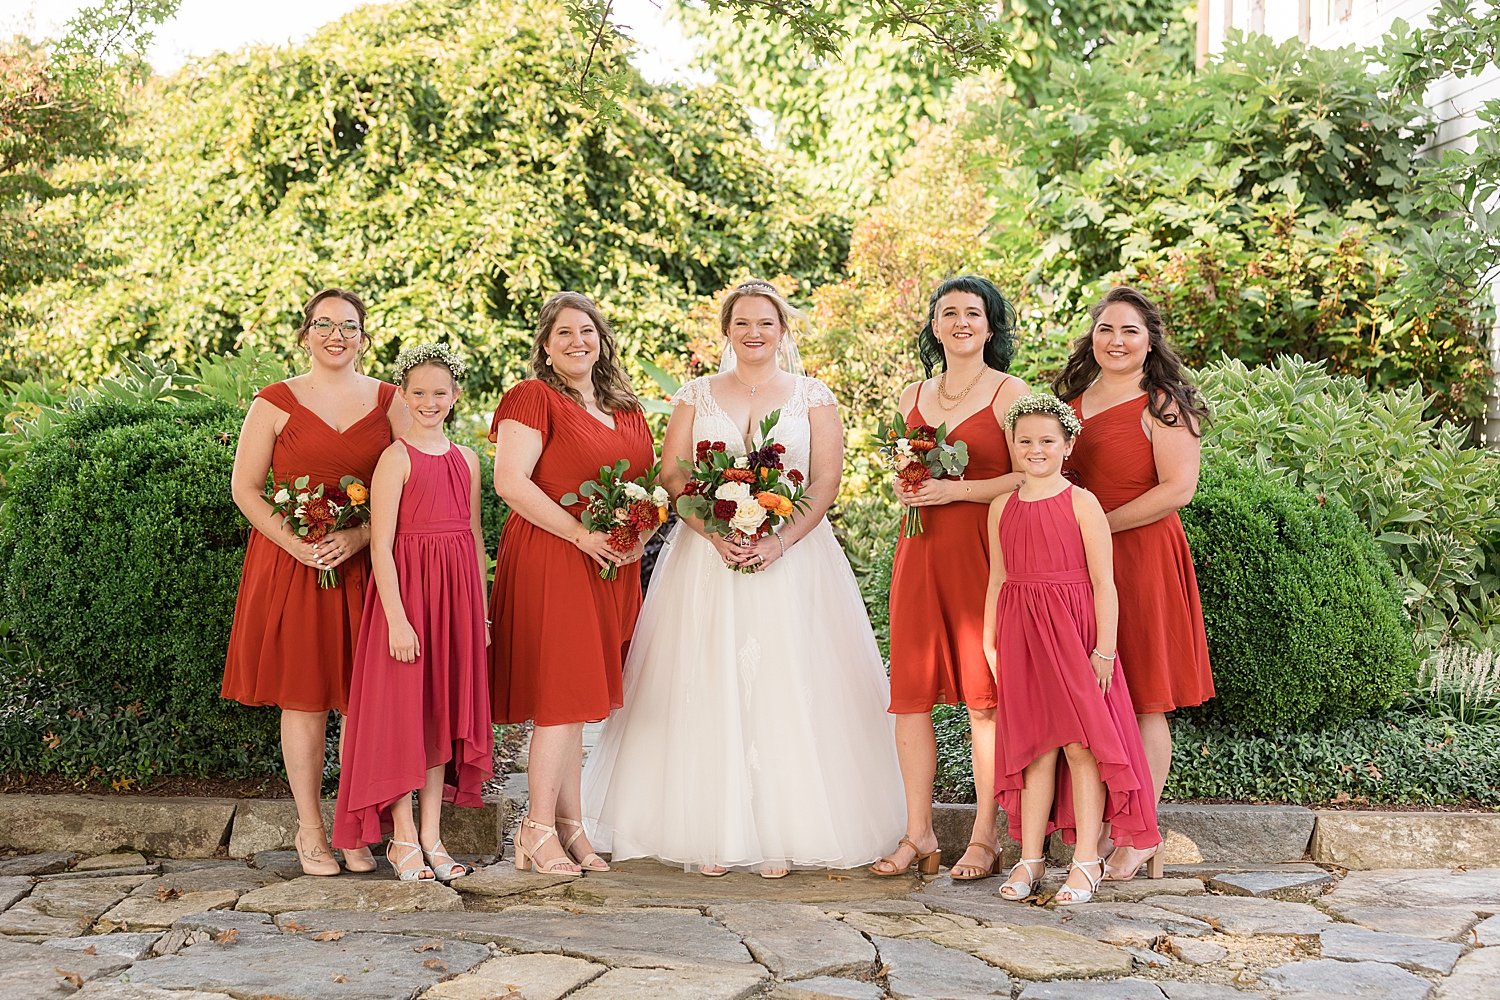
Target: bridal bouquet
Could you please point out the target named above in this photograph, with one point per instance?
(626, 508)
(918, 454)
(746, 497)
(316, 512)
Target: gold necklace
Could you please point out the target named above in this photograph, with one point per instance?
(955, 400)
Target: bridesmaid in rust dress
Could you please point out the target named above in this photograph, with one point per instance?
(1139, 454)
(292, 642)
(560, 633)
(939, 577)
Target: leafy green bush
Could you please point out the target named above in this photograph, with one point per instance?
(1432, 502)
(121, 550)
(866, 527)
(432, 156)
(1391, 759)
(1304, 617)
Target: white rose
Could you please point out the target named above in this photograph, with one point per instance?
(748, 516)
(733, 491)
(635, 491)
(742, 462)
(659, 496)
(282, 496)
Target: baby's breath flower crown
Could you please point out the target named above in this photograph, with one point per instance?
(426, 354)
(1044, 402)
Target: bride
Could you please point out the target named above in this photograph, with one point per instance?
(754, 733)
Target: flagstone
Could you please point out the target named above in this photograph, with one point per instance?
(104, 861)
(827, 988)
(685, 983)
(67, 908)
(1247, 914)
(797, 941)
(1329, 977)
(1353, 943)
(44, 863)
(921, 968)
(1037, 953)
(534, 977)
(311, 892)
(1419, 887)
(1301, 887)
(132, 947)
(1477, 977)
(1438, 923)
(143, 912)
(40, 972)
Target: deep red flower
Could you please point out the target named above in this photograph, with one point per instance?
(704, 447)
(718, 446)
(780, 448)
(795, 475)
(724, 509)
(622, 537)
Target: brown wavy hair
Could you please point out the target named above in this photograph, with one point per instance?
(1170, 395)
(612, 390)
(359, 309)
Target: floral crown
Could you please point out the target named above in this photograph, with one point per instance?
(1044, 402)
(426, 354)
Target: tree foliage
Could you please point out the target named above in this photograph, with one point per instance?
(427, 155)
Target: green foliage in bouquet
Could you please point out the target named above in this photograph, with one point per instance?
(121, 551)
(1304, 615)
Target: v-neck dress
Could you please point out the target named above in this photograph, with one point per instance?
(560, 633)
(292, 642)
(1162, 642)
(938, 582)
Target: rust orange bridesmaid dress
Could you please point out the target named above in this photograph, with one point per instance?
(292, 642)
(938, 583)
(560, 633)
(1162, 644)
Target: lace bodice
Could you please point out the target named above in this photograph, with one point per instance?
(711, 423)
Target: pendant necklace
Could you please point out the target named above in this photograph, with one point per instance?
(752, 388)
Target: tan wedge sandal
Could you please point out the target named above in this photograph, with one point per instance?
(591, 862)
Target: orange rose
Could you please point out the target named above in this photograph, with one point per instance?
(785, 507)
(357, 493)
(770, 501)
(661, 515)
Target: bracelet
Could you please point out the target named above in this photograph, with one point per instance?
(783, 543)
(488, 622)
(1109, 658)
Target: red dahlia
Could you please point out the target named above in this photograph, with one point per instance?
(622, 537)
(724, 509)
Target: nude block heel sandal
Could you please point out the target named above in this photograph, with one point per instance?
(927, 863)
(526, 860)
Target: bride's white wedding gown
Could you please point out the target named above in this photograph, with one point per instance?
(754, 732)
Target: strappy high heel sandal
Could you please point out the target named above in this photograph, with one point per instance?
(359, 859)
(1076, 896)
(590, 862)
(526, 859)
(422, 874)
(927, 863)
(1019, 890)
(319, 861)
(1154, 862)
(445, 871)
(988, 871)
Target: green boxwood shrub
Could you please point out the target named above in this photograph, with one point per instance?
(1303, 611)
(121, 550)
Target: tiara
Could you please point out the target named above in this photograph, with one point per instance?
(1046, 403)
(757, 283)
(424, 354)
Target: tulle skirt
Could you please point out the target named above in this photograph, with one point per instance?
(754, 731)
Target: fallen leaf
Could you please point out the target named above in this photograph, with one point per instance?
(339, 978)
(429, 946)
(838, 878)
(329, 935)
(72, 977)
(165, 893)
(292, 927)
(90, 950)
(1459, 870)
(435, 963)
(228, 935)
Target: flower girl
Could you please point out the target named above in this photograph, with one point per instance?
(1068, 756)
(419, 703)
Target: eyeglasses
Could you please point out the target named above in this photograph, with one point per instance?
(324, 328)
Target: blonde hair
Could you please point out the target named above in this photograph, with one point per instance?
(760, 289)
(612, 390)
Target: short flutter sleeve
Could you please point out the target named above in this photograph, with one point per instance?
(692, 394)
(528, 402)
(819, 394)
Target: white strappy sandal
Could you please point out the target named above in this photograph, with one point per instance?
(1076, 896)
(1019, 890)
(448, 870)
(409, 874)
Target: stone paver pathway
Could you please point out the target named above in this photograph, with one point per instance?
(139, 928)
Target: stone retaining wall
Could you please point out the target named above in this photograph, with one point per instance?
(1213, 834)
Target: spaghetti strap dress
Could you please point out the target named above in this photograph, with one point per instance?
(292, 643)
(938, 581)
(406, 718)
(560, 633)
(1047, 695)
(1162, 640)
